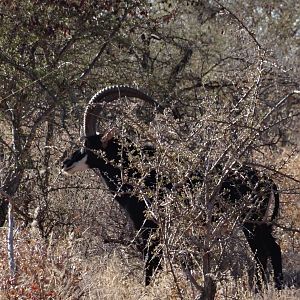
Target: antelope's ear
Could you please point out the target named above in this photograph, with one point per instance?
(108, 136)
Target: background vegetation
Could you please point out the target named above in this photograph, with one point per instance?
(231, 69)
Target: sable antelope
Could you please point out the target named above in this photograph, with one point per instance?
(106, 153)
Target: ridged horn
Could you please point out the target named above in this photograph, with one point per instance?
(108, 95)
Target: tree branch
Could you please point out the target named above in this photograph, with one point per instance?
(10, 200)
(102, 49)
(180, 66)
(252, 35)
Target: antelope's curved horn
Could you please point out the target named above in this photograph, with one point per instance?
(108, 95)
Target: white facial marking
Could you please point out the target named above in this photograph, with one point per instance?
(77, 166)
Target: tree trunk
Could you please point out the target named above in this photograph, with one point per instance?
(10, 241)
(10, 187)
(210, 288)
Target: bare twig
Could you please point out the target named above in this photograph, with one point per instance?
(252, 35)
(10, 242)
(180, 66)
(274, 171)
(104, 46)
(278, 104)
(11, 201)
(31, 74)
(290, 229)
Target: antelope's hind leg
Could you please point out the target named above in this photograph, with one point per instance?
(260, 253)
(274, 253)
(263, 246)
(151, 254)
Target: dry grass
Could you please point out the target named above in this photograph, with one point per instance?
(55, 270)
